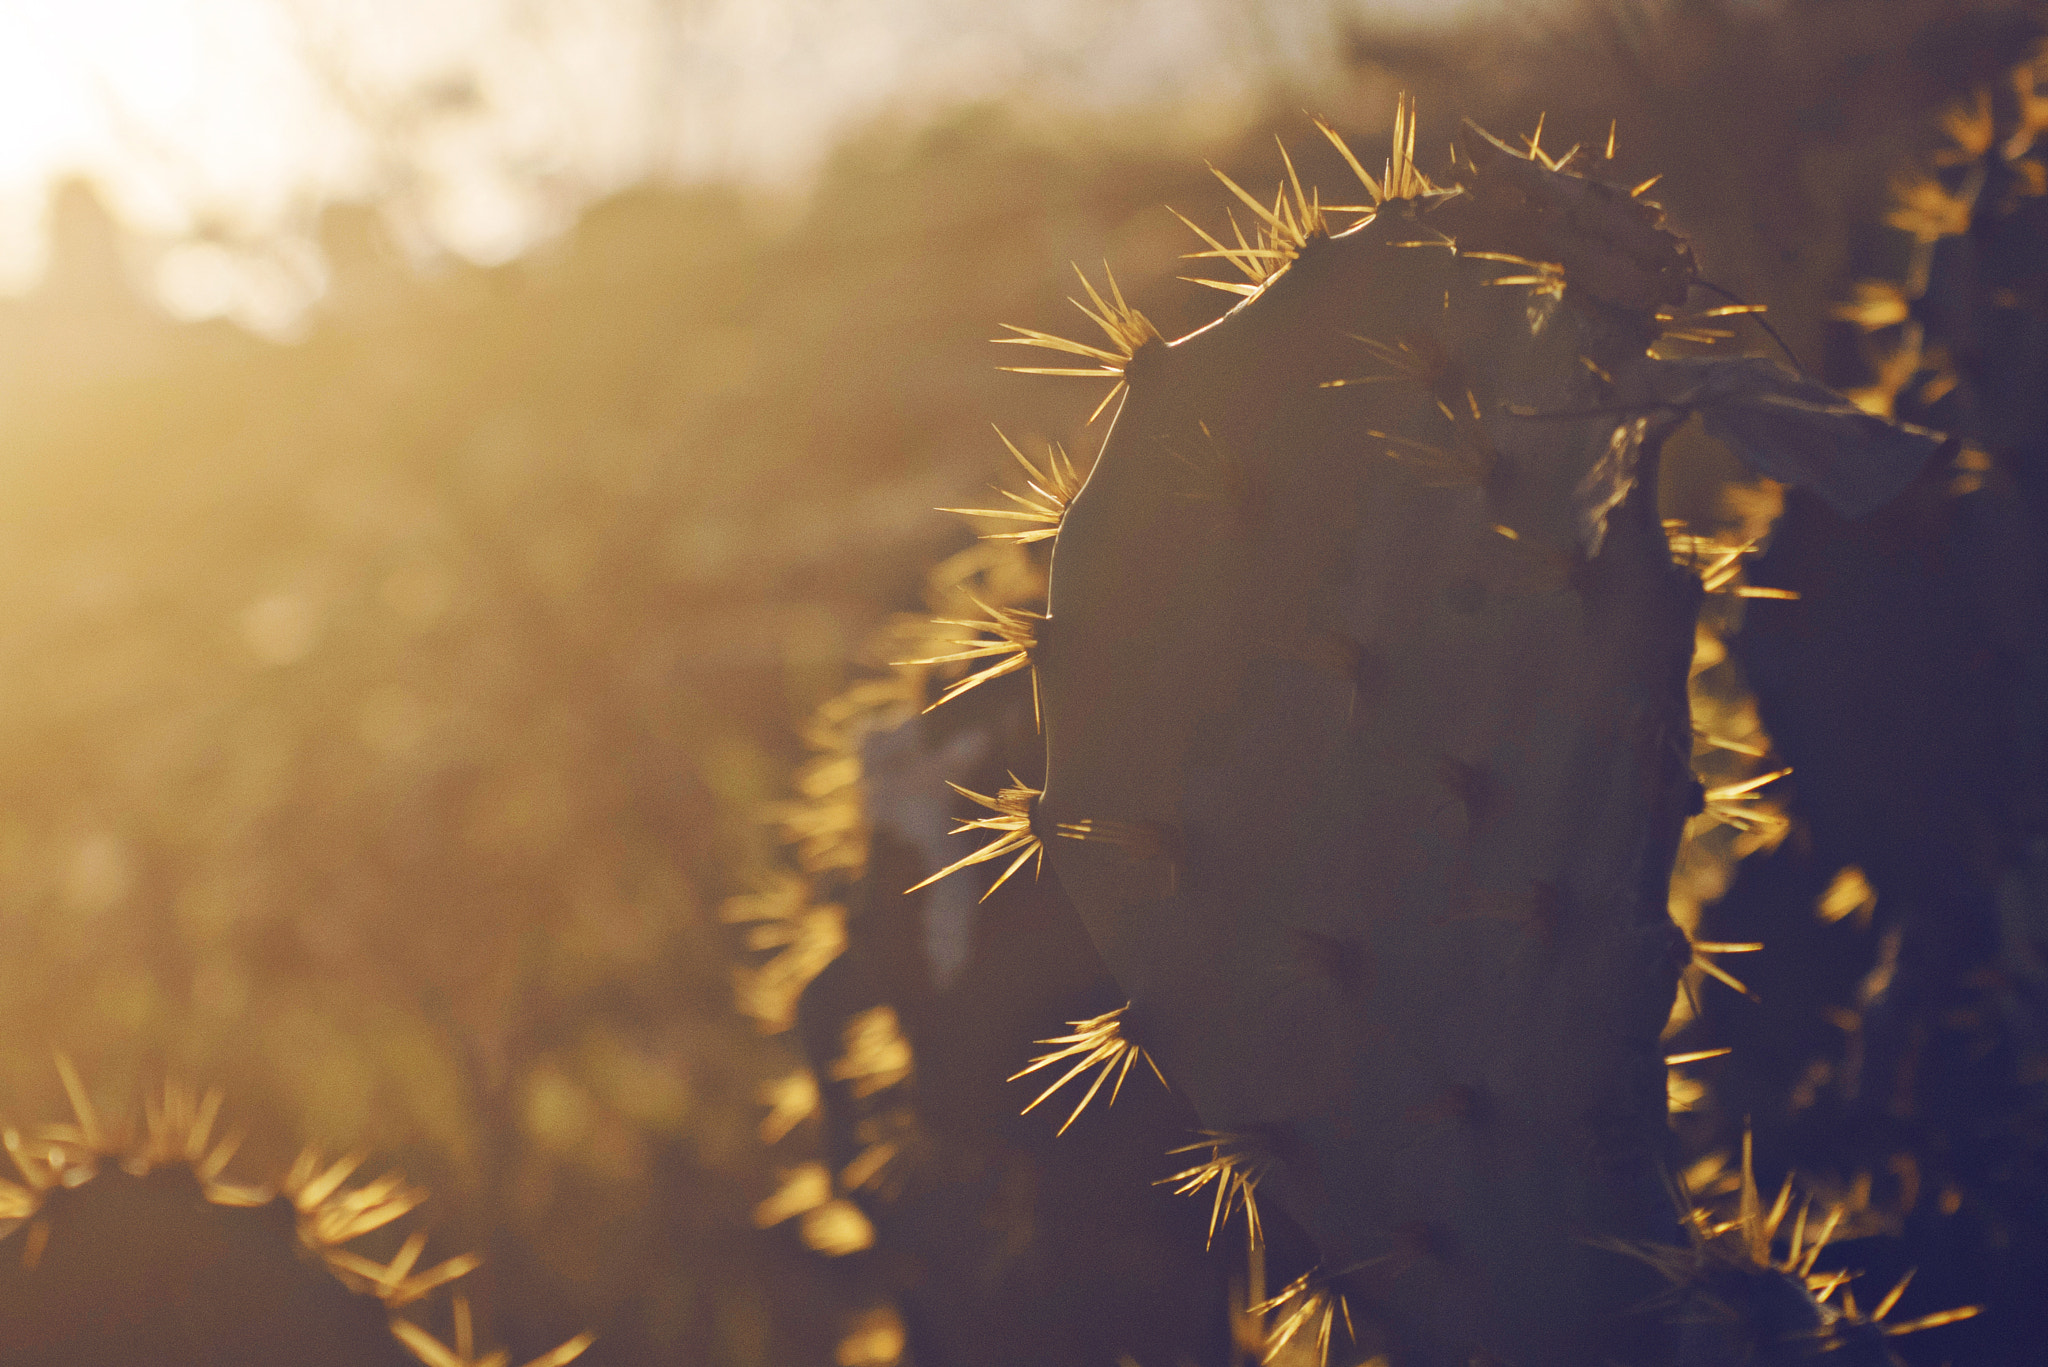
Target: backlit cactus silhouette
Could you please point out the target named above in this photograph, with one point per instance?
(1363, 691)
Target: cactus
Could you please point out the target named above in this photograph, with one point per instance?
(1746, 1304)
(1899, 1050)
(1363, 695)
(137, 1249)
(975, 1235)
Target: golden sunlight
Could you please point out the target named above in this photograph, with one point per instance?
(533, 824)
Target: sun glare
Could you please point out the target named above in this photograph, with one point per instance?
(215, 130)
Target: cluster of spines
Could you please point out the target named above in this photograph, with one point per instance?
(1044, 506)
(1099, 1043)
(1310, 1308)
(1235, 1165)
(1006, 636)
(1743, 1242)
(1127, 330)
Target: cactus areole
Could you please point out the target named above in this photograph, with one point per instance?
(1364, 703)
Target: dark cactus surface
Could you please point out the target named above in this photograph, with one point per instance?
(1363, 689)
(119, 1249)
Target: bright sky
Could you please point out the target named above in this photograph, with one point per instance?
(489, 123)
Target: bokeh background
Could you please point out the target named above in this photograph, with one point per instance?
(447, 449)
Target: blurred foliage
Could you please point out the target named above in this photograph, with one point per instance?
(388, 712)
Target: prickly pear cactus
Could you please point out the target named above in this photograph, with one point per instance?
(1363, 694)
(1899, 1052)
(978, 1236)
(124, 1249)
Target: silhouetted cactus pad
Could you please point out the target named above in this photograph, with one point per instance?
(134, 1270)
(1365, 619)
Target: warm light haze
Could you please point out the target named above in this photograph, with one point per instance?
(216, 128)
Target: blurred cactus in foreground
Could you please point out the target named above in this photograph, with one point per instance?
(135, 1249)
